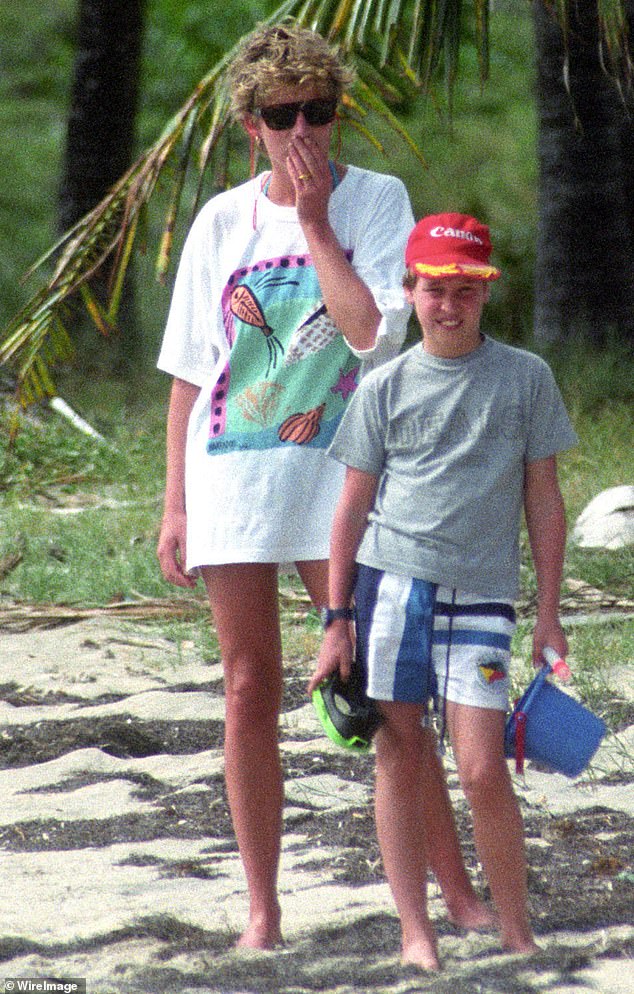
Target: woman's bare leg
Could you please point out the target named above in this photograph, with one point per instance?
(244, 603)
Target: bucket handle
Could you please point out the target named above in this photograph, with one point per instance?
(558, 665)
(520, 716)
(553, 664)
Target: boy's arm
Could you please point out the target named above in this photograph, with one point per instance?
(546, 523)
(349, 524)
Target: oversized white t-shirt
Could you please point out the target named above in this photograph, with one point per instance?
(247, 324)
(449, 440)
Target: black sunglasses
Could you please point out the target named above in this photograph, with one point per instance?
(281, 117)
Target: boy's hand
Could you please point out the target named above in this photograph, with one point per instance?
(548, 634)
(336, 654)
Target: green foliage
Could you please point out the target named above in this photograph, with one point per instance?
(604, 457)
(182, 42)
(106, 557)
(612, 571)
(45, 454)
(82, 514)
(598, 391)
(483, 162)
(36, 55)
(591, 376)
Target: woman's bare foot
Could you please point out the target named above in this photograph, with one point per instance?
(419, 949)
(421, 954)
(262, 932)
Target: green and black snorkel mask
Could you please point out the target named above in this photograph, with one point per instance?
(349, 718)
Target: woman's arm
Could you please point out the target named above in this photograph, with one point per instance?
(350, 303)
(172, 545)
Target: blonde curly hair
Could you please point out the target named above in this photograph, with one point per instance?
(282, 55)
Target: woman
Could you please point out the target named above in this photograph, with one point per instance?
(287, 287)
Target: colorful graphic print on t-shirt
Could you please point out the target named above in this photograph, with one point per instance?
(290, 371)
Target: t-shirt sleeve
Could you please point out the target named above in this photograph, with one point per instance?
(192, 343)
(551, 430)
(360, 438)
(379, 259)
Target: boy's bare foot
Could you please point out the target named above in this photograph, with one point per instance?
(475, 916)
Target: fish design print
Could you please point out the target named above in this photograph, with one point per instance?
(290, 371)
(244, 305)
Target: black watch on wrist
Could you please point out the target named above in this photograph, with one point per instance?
(330, 614)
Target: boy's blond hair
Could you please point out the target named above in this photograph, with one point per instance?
(283, 55)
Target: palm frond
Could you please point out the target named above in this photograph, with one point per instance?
(616, 45)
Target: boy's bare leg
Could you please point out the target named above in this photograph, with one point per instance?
(477, 739)
(244, 602)
(443, 847)
(400, 782)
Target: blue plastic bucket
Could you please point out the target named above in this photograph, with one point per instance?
(551, 727)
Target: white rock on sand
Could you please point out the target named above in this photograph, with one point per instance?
(607, 522)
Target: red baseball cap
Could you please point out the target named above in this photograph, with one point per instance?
(450, 245)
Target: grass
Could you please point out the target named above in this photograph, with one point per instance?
(84, 515)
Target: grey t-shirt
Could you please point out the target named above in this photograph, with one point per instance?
(449, 439)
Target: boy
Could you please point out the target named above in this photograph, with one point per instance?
(444, 446)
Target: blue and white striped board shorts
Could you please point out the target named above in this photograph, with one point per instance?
(417, 640)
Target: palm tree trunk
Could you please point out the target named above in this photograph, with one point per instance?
(626, 130)
(584, 279)
(101, 135)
